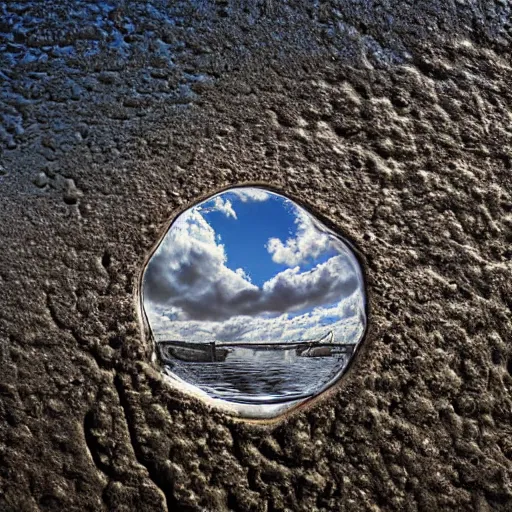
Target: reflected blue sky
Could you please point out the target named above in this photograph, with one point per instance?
(245, 237)
(251, 265)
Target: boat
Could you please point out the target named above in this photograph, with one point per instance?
(194, 352)
(318, 348)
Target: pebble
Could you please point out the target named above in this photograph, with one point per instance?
(41, 180)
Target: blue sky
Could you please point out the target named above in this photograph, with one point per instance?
(245, 237)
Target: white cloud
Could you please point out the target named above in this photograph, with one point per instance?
(343, 319)
(220, 205)
(292, 290)
(225, 207)
(247, 194)
(189, 272)
(309, 242)
(242, 273)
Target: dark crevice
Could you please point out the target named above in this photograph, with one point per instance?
(496, 356)
(106, 259)
(393, 405)
(237, 449)
(50, 502)
(94, 447)
(115, 341)
(238, 452)
(54, 317)
(69, 200)
(232, 502)
(252, 480)
(497, 500)
(158, 477)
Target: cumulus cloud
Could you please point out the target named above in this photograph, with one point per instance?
(310, 241)
(250, 194)
(293, 290)
(220, 205)
(189, 273)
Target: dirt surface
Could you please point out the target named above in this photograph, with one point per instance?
(392, 119)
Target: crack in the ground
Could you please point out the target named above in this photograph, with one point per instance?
(170, 502)
(93, 446)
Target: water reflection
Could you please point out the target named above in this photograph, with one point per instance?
(253, 301)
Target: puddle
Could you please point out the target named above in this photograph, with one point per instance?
(253, 302)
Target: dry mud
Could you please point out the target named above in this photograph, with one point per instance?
(391, 119)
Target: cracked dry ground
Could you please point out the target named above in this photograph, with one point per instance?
(391, 120)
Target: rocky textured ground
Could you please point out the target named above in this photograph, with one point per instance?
(390, 119)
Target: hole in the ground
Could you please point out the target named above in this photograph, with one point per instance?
(115, 342)
(70, 200)
(254, 302)
(496, 356)
(106, 259)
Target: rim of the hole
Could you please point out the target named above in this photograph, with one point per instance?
(224, 405)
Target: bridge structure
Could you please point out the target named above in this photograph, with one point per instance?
(215, 351)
